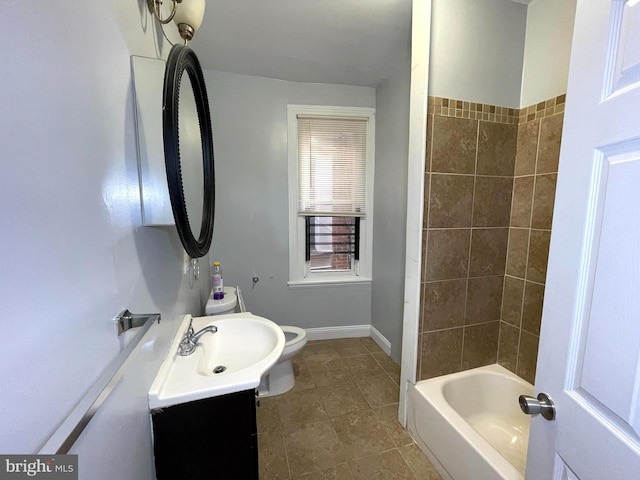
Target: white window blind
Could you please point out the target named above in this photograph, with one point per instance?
(332, 156)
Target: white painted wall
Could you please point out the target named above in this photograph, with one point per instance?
(477, 50)
(73, 252)
(420, 53)
(251, 235)
(547, 49)
(390, 202)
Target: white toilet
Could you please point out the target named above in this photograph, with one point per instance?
(280, 378)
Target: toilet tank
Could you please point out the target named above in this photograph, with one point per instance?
(228, 303)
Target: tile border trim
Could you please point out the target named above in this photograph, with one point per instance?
(450, 107)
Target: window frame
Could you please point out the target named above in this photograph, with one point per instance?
(299, 274)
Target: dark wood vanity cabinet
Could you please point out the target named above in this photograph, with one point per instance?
(212, 439)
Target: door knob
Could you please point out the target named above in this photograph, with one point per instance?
(542, 405)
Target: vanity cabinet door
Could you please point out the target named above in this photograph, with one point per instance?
(214, 438)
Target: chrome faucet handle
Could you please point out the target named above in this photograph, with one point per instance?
(190, 339)
(187, 344)
(190, 330)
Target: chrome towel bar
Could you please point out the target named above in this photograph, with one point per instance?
(68, 432)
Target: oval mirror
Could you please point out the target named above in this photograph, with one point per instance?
(191, 164)
(188, 150)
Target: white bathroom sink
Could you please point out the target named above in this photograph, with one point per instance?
(243, 349)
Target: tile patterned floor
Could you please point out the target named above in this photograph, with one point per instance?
(340, 420)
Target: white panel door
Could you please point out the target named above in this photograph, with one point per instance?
(589, 355)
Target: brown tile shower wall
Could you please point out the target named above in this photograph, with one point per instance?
(478, 157)
(535, 174)
(469, 182)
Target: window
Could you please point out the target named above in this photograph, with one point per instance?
(332, 243)
(330, 194)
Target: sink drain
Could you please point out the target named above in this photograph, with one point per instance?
(219, 369)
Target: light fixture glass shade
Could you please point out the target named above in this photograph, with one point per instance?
(190, 12)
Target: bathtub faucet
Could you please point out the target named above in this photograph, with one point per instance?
(190, 339)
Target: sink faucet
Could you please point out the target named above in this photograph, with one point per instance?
(190, 339)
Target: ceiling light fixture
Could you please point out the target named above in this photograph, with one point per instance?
(186, 14)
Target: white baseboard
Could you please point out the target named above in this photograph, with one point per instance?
(330, 333)
(349, 331)
(380, 339)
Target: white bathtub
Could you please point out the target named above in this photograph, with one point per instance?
(470, 424)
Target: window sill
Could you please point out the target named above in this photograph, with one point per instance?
(328, 282)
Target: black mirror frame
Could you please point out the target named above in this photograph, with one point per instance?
(181, 59)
